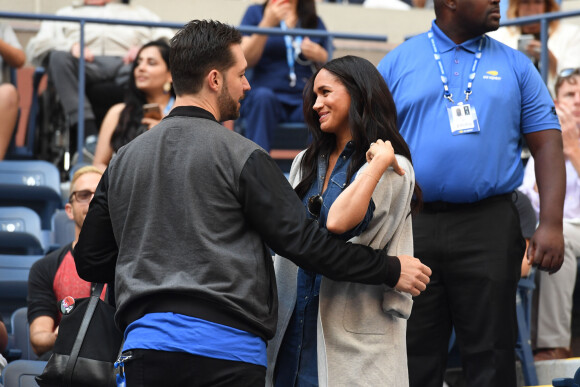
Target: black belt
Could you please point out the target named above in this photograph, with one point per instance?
(440, 206)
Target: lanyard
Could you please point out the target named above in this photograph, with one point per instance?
(292, 51)
(437, 56)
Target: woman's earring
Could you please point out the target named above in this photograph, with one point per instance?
(167, 87)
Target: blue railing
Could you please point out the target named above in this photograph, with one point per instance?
(544, 20)
(245, 29)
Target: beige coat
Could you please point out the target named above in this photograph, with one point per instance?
(361, 328)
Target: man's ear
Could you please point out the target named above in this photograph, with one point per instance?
(451, 4)
(69, 211)
(214, 80)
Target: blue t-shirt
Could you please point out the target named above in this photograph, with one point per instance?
(510, 100)
(173, 332)
(272, 69)
(297, 360)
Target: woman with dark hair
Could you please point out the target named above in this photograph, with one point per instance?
(357, 180)
(148, 99)
(280, 65)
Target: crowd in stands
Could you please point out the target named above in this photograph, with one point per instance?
(109, 53)
(422, 165)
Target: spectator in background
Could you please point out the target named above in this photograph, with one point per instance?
(563, 39)
(149, 83)
(109, 51)
(11, 55)
(554, 314)
(468, 166)
(359, 187)
(54, 277)
(280, 65)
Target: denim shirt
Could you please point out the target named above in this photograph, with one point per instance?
(297, 359)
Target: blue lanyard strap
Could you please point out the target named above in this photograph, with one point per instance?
(292, 51)
(476, 60)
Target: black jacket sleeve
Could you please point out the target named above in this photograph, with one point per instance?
(96, 250)
(272, 207)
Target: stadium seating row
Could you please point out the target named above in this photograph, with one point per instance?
(32, 223)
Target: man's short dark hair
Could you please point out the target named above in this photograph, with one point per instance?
(196, 49)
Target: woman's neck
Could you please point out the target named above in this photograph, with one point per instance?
(340, 144)
(162, 98)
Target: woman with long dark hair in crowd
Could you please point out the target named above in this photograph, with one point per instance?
(150, 87)
(280, 65)
(357, 180)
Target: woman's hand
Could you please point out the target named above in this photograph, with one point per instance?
(275, 12)
(534, 49)
(76, 52)
(150, 122)
(382, 153)
(570, 132)
(313, 51)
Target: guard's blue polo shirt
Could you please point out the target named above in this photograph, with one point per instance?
(509, 97)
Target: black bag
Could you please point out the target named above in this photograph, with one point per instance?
(87, 346)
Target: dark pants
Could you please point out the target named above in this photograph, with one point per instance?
(178, 369)
(475, 252)
(63, 70)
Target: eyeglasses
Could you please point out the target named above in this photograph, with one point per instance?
(83, 196)
(315, 205)
(564, 75)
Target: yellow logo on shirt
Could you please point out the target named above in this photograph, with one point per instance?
(492, 75)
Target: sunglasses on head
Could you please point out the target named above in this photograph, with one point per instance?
(565, 75)
(83, 196)
(315, 205)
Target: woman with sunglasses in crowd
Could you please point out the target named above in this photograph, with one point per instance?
(357, 180)
(280, 65)
(148, 99)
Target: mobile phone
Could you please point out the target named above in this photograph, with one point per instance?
(523, 42)
(152, 110)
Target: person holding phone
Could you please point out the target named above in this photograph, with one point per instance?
(563, 38)
(148, 99)
(280, 65)
(356, 180)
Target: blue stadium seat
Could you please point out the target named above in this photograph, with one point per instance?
(20, 334)
(20, 231)
(31, 183)
(21, 373)
(14, 271)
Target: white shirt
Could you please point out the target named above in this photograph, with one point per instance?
(102, 39)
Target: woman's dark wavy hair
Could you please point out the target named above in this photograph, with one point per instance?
(306, 10)
(372, 116)
(129, 125)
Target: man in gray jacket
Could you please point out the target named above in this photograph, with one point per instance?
(181, 223)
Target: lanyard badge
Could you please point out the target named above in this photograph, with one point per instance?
(293, 50)
(462, 116)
